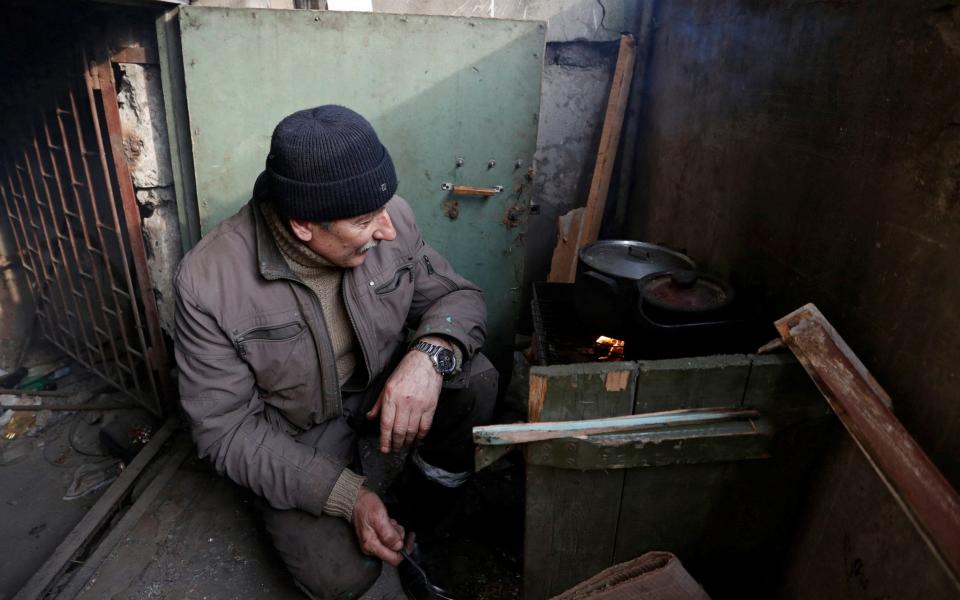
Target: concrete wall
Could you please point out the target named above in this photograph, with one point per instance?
(131, 36)
(812, 152)
(145, 143)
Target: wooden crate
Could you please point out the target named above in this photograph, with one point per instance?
(722, 497)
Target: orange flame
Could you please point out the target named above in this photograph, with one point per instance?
(615, 347)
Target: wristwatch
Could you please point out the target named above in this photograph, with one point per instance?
(443, 359)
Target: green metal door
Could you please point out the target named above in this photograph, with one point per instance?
(455, 100)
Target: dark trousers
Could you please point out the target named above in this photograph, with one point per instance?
(322, 553)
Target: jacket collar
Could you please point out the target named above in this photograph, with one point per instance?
(269, 258)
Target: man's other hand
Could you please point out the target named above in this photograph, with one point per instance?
(409, 400)
(377, 533)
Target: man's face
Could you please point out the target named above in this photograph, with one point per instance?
(345, 242)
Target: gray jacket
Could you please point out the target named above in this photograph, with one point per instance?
(256, 365)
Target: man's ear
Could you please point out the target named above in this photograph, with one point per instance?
(301, 229)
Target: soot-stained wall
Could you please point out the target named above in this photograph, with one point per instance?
(811, 151)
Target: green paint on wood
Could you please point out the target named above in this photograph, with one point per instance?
(738, 440)
(691, 383)
(571, 517)
(703, 501)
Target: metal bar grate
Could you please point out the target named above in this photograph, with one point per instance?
(69, 197)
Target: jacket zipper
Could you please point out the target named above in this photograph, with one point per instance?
(431, 271)
(353, 324)
(395, 282)
(326, 338)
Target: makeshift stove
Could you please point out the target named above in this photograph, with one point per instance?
(719, 494)
(565, 338)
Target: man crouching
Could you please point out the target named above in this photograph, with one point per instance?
(293, 321)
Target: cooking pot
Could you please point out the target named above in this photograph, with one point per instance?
(608, 271)
(684, 313)
(683, 295)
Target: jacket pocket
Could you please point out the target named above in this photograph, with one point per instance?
(445, 281)
(404, 272)
(282, 358)
(269, 333)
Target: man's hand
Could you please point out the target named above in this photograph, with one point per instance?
(378, 534)
(409, 400)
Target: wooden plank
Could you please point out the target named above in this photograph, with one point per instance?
(563, 263)
(81, 577)
(649, 521)
(609, 140)
(95, 518)
(582, 226)
(484, 456)
(569, 528)
(522, 433)
(691, 383)
(723, 515)
(538, 392)
(715, 442)
(571, 520)
(863, 407)
(579, 391)
(780, 388)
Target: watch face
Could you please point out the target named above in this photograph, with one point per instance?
(446, 362)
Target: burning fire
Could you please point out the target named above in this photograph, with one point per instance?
(612, 346)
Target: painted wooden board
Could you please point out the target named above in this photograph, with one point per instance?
(721, 514)
(863, 407)
(781, 389)
(691, 382)
(521, 433)
(571, 516)
(738, 440)
(581, 391)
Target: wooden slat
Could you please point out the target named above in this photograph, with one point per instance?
(570, 530)
(586, 225)
(668, 508)
(705, 443)
(80, 578)
(609, 140)
(522, 433)
(862, 406)
(580, 391)
(781, 389)
(563, 264)
(691, 383)
(95, 518)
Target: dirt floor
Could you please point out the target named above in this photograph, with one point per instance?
(38, 463)
(201, 538)
(476, 551)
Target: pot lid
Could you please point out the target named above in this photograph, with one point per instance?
(632, 260)
(685, 291)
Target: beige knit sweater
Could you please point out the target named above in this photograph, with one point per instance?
(326, 281)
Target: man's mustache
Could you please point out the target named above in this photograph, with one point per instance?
(368, 246)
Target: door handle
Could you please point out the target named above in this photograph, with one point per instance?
(471, 190)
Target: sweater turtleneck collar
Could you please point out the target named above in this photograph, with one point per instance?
(292, 248)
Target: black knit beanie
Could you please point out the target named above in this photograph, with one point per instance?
(327, 163)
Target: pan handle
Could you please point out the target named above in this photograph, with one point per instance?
(681, 326)
(607, 282)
